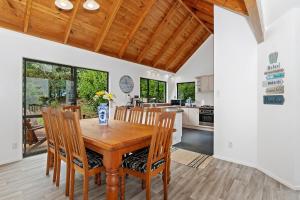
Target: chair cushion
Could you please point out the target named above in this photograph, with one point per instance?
(62, 152)
(94, 160)
(138, 161)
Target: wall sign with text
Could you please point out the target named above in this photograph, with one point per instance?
(274, 81)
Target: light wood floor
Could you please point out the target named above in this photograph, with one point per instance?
(219, 181)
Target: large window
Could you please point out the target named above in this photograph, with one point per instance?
(186, 90)
(153, 91)
(49, 83)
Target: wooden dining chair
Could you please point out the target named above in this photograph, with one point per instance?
(61, 146)
(151, 116)
(73, 108)
(136, 115)
(120, 113)
(51, 150)
(86, 162)
(150, 162)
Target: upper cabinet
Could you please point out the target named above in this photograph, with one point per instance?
(205, 83)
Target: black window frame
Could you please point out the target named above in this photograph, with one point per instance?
(186, 83)
(158, 81)
(73, 78)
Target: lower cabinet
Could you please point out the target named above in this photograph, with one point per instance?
(190, 117)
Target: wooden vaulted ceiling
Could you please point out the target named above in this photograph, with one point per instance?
(158, 33)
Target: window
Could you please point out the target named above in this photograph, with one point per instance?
(153, 91)
(47, 83)
(186, 90)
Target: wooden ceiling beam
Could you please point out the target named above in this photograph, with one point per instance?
(195, 16)
(108, 22)
(173, 38)
(27, 15)
(181, 48)
(254, 18)
(70, 23)
(158, 31)
(136, 27)
(192, 51)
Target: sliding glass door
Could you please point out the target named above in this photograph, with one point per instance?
(47, 84)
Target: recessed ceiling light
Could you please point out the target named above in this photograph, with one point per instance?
(91, 5)
(64, 4)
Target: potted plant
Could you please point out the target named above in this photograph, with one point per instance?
(102, 98)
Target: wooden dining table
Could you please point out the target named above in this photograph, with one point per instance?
(112, 141)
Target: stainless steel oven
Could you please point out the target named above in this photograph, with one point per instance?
(206, 115)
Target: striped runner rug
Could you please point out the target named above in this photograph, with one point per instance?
(190, 158)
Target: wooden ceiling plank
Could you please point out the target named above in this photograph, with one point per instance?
(70, 23)
(173, 38)
(194, 15)
(136, 27)
(113, 12)
(254, 18)
(27, 15)
(158, 30)
(192, 51)
(182, 47)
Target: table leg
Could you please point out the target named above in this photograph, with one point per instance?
(112, 162)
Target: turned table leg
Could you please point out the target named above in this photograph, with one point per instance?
(112, 162)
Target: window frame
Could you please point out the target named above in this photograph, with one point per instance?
(186, 83)
(158, 81)
(74, 78)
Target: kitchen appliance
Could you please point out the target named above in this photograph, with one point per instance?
(206, 115)
(175, 102)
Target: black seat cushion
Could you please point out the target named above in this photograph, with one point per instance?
(138, 161)
(62, 152)
(94, 160)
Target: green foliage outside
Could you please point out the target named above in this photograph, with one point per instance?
(50, 84)
(156, 92)
(89, 82)
(186, 90)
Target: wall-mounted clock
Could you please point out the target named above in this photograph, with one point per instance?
(126, 84)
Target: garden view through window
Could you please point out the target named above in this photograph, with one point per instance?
(153, 91)
(186, 90)
(50, 84)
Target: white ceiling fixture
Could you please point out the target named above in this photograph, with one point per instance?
(64, 4)
(68, 5)
(91, 5)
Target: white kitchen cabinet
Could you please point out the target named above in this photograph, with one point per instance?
(205, 83)
(185, 116)
(193, 116)
(190, 116)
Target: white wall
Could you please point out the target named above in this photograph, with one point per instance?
(278, 126)
(14, 46)
(201, 63)
(235, 68)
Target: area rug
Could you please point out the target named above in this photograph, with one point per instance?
(190, 158)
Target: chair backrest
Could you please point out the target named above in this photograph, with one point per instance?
(151, 115)
(161, 138)
(136, 115)
(73, 108)
(56, 123)
(74, 137)
(120, 113)
(49, 133)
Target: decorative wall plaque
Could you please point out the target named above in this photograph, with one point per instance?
(274, 82)
(275, 90)
(274, 99)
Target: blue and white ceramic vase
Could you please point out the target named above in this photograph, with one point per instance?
(103, 113)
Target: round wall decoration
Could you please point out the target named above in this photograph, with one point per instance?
(126, 84)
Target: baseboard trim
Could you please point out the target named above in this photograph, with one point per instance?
(235, 161)
(277, 178)
(267, 172)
